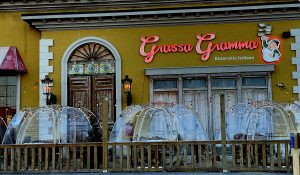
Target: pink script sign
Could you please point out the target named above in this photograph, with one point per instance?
(186, 47)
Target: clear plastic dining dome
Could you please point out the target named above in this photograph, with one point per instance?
(3, 128)
(155, 124)
(10, 136)
(269, 122)
(236, 121)
(53, 124)
(124, 125)
(189, 124)
(293, 111)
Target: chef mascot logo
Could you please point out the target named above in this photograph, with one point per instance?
(270, 46)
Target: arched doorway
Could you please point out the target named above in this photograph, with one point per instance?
(91, 72)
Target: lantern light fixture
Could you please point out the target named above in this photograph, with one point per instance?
(47, 83)
(127, 89)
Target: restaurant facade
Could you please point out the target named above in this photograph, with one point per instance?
(175, 53)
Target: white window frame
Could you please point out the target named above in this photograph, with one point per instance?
(209, 87)
(238, 87)
(18, 92)
(152, 90)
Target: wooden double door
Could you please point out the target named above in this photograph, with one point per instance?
(89, 91)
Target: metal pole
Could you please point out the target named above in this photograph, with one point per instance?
(223, 132)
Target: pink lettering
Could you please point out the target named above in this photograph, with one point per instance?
(253, 45)
(167, 48)
(148, 56)
(174, 48)
(243, 45)
(180, 47)
(188, 48)
(223, 46)
(233, 45)
(205, 53)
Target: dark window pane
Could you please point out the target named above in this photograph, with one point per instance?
(223, 82)
(194, 83)
(8, 91)
(2, 91)
(3, 81)
(165, 84)
(3, 102)
(254, 81)
(12, 80)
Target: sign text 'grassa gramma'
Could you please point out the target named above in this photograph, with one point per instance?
(185, 48)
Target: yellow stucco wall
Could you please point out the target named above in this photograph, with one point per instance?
(127, 42)
(15, 32)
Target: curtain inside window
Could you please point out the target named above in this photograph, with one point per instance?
(197, 100)
(195, 95)
(230, 100)
(165, 97)
(254, 94)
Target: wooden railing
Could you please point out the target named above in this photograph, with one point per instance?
(260, 156)
(147, 156)
(51, 157)
(200, 156)
(163, 156)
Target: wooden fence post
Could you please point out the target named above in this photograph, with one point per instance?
(223, 132)
(104, 133)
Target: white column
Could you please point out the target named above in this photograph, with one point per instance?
(296, 89)
(45, 69)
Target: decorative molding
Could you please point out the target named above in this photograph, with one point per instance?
(137, 18)
(296, 75)
(209, 69)
(296, 89)
(296, 60)
(64, 68)
(45, 69)
(38, 5)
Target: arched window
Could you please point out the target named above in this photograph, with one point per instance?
(91, 59)
(91, 79)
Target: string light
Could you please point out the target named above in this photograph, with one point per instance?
(36, 85)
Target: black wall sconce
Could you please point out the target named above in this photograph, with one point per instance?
(280, 85)
(286, 34)
(127, 89)
(47, 83)
(283, 87)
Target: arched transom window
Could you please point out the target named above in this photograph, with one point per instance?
(91, 59)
